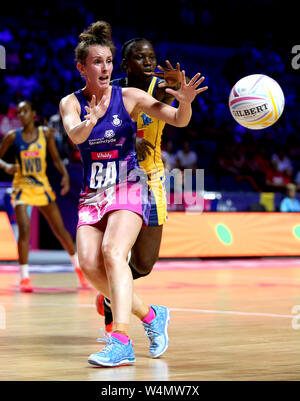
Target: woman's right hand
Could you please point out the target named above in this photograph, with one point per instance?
(10, 168)
(188, 91)
(95, 111)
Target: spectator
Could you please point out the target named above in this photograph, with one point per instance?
(289, 203)
(169, 157)
(261, 159)
(239, 159)
(276, 180)
(186, 158)
(225, 161)
(283, 161)
(186, 163)
(8, 119)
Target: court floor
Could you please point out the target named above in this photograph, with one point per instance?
(230, 320)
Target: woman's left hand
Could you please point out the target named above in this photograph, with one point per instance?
(188, 91)
(96, 110)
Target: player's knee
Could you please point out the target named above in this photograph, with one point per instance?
(89, 265)
(144, 265)
(112, 255)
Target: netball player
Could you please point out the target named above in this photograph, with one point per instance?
(139, 62)
(101, 120)
(31, 186)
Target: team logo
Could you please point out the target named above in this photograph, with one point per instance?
(146, 119)
(116, 121)
(109, 134)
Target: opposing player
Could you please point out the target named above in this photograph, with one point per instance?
(31, 186)
(101, 120)
(139, 62)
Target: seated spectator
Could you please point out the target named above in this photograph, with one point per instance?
(261, 159)
(251, 172)
(186, 164)
(239, 159)
(276, 180)
(8, 119)
(283, 161)
(186, 158)
(290, 203)
(225, 161)
(169, 157)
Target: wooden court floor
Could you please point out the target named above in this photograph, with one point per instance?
(229, 321)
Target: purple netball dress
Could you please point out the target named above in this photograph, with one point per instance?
(112, 178)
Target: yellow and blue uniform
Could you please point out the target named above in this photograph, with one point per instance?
(152, 129)
(30, 183)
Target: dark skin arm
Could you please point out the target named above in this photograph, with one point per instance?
(51, 146)
(170, 78)
(4, 146)
(142, 148)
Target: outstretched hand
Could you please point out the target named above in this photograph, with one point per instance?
(170, 75)
(96, 111)
(188, 91)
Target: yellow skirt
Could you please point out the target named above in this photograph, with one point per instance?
(158, 199)
(31, 195)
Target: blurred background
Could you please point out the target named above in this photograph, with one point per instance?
(225, 41)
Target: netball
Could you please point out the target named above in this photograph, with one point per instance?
(256, 101)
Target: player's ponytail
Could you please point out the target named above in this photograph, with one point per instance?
(98, 33)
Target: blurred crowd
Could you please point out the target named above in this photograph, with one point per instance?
(40, 67)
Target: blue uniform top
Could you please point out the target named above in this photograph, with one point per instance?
(109, 154)
(290, 205)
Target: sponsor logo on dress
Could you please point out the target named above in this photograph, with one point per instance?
(97, 141)
(109, 133)
(31, 154)
(113, 154)
(116, 121)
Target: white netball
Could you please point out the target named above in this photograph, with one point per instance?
(256, 101)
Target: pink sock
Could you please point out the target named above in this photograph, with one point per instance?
(121, 337)
(151, 315)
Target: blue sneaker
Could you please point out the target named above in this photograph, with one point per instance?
(157, 332)
(113, 354)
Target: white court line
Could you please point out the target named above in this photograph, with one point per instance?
(172, 309)
(232, 312)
